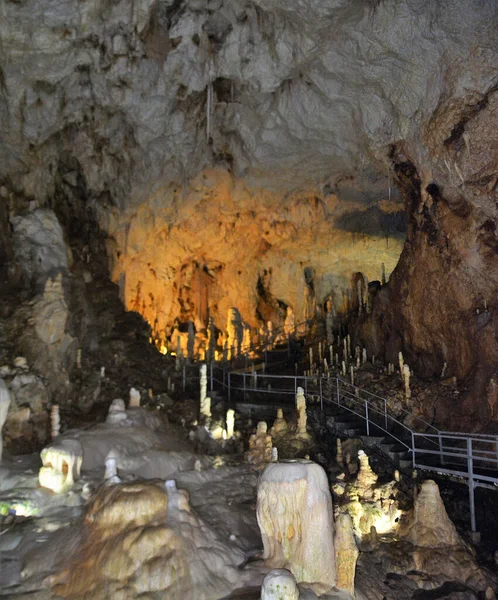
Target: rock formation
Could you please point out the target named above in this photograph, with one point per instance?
(279, 584)
(428, 525)
(61, 465)
(280, 426)
(260, 447)
(295, 518)
(346, 553)
(302, 415)
(4, 409)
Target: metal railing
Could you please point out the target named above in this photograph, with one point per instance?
(471, 458)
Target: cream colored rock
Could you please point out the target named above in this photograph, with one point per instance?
(4, 409)
(280, 426)
(55, 421)
(117, 414)
(302, 415)
(260, 447)
(294, 511)
(230, 419)
(279, 584)
(346, 553)
(61, 465)
(428, 524)
(51, 312)
(135, 398)
(366, 478)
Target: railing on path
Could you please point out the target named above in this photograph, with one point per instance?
(472, 458)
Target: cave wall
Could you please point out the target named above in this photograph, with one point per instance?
(131, 100)
(223, 244)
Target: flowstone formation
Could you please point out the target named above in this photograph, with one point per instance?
(295, 518)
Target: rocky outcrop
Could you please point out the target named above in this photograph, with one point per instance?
(237, 153)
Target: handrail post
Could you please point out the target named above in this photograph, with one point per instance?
(441, 447)
(244, 384)
(211, 376)
(338, 392)
(366, 417)
(470, 466)
(321, 396)
(413, 449)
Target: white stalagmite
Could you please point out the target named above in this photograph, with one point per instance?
(279, 584)
(338, 455)
(55, 421)
(320, 352)
(364, 355)
(345, 349)
(352, 375)
(294, 511)
(343, 369)
(311, 357)
(401, 362)
(346, 553)
(301, 409)
(134, 398)
(406, 381)
(61, 465)
(4, 409)
(230, 422)
(203, 384)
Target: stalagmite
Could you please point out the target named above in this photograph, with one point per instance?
(366, 477)
(294, 511)
(364, 355)
(360, 296)
(279, 584)
(343, 369)
(134, 398)
(443, 372)
(348, 338)
(280, 426)
(311, 356)
(61, 465)
(320, 352)
(290, 322)
(338, 454)
(246, 340)
(428, 523)
(117, 412)
(301, 408)
(4, 409)
(78, 358)
(230, 422)
(205, 406)
(352, 375)
(269, 326)
(55, 421)
(406, 380)
(111, 470)
(260, 447)
(346, 553)
(401, 362)
(345, 350)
